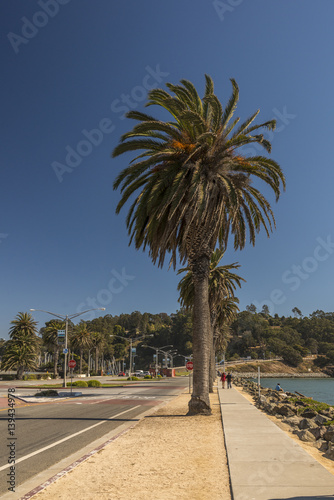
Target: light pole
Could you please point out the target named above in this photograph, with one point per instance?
(130, 345)
(66, 318)
(157, 349)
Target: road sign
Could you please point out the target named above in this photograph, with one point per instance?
(189, 365)
(61, 333)
(65, 351)
(72, 363)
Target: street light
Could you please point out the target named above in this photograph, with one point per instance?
(66, 318)
(130, 345)
(157, 349)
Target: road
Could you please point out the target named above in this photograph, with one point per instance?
(46, 433)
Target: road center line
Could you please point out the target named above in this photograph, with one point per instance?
(66, 439)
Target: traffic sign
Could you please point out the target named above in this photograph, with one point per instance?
(72, 363)
(189, 365)
(65, 351)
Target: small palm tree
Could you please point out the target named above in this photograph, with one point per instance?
(22, 348)
(50, 339)
(19, 355)
(190, 188)
(81, 339)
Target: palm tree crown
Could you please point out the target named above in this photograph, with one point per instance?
(194, 185)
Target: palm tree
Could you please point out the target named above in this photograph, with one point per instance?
(192, 187)
(50, 339)
(22, 348)
(98, 343)
(19, 355)
(81, 339)
(222, 284)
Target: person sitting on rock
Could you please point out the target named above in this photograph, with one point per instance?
(278, 387)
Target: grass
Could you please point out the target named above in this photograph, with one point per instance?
(310, 404)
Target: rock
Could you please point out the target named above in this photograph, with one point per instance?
(309, 413)
(292, 421)
(305, 436)
(284, 410)
(318, 432)
(330, 452)
(307, 423)
(263, 399)
(321, 419)
(321, 445)
(329, 434)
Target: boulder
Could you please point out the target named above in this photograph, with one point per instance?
(309, 413)
(292, 421)
(284, 410)
(307, 423)
(321, 445)
(318, 432)
(329, 434)
(321, 419)
(305, 435)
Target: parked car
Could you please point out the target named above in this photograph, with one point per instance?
(139, 373)
(121, 374)
(147, 373)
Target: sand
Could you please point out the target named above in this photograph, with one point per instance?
(166, 455)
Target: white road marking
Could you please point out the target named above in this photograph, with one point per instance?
(66, 439)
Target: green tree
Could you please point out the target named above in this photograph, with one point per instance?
(22, 348)
(50, 340)
(192, 186)
(81, 339)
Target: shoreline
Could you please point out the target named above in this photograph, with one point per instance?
(309, 448)
(280, 375)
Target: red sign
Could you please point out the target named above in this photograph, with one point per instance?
(72, 363)
(189, 365)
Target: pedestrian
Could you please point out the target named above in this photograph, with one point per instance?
(223, 378)
(229, 380)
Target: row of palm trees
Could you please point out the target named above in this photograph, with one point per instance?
(22, 349)
(190, 189)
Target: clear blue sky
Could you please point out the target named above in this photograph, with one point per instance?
(67, 65)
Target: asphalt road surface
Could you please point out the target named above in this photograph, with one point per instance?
(45, 433)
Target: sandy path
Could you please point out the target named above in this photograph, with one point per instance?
(167, 455)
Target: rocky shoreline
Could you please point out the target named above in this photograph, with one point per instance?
(309, 420)
(281, 375)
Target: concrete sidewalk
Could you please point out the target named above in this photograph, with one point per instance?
(264, 462)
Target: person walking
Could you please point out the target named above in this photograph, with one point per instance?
(223, 378)
(229, 380)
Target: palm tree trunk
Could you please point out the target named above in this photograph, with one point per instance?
(81, 356)
(55, 365)
(212, 363)
(200, 401)
(96, 360)
(20, 371)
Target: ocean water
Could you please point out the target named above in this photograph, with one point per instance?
(319, 389)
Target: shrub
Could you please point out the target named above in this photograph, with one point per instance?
(94, 383)
(148, 376)
(78, 383)
(46, 393)
(132, 378)
(31, 377)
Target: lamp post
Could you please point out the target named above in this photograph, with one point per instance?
(130, 345)
(66, 318)
(157, 349)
